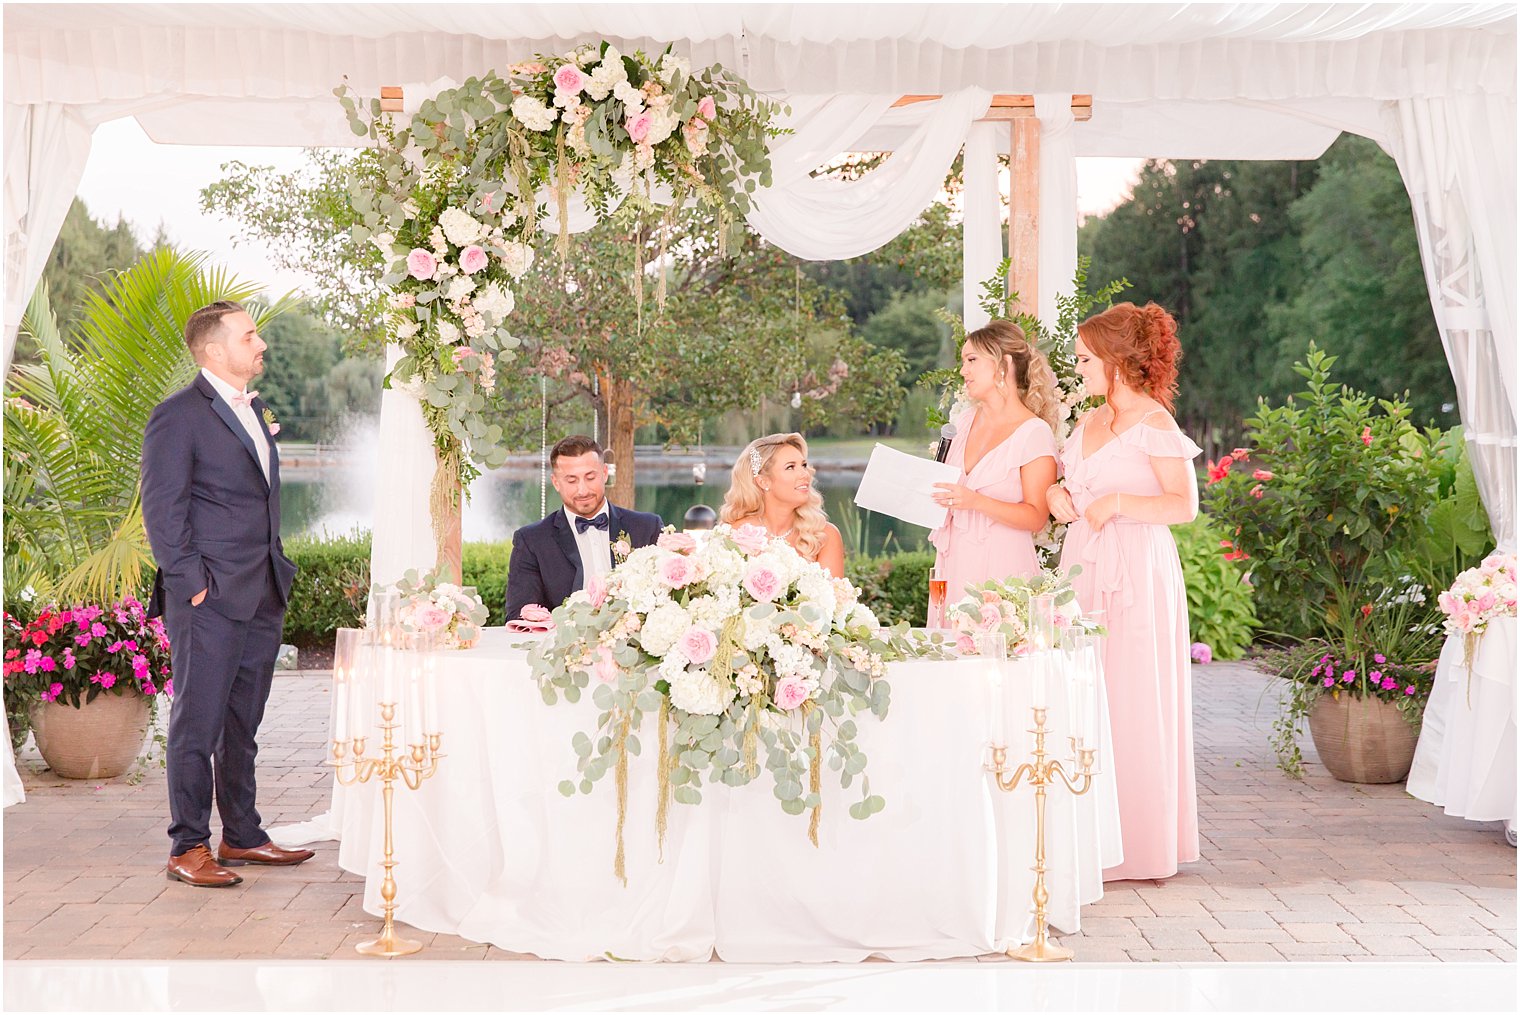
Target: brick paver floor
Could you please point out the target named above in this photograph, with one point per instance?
(1316, 870)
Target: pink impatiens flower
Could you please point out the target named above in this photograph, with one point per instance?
(105, 680)
(52, 693)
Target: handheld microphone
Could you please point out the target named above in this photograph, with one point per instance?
(946, 435)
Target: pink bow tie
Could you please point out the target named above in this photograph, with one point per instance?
(245, 400)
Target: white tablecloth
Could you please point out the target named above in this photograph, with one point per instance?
(1465, 760)
(489, 850)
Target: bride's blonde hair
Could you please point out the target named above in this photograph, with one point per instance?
(1031, 371)
(745, 500)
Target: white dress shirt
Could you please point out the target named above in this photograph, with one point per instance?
(245, 415)
(595, 544)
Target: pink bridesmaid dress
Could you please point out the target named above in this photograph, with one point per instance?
(1131, 572)
(972, 547)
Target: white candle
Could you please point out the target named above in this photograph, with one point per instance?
(388, 675)
(1041, 662)
(414, 703)
(1090, 710)
(340, 704)
(995, 678)
(430, 693)
(361, 693)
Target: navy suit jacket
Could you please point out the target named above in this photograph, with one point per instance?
(212, 520)
(546, 562)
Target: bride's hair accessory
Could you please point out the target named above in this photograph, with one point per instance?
(754, 461)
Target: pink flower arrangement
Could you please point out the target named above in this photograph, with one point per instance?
(421, 265)
(1478, 595)
(73, 653)
(472, 259)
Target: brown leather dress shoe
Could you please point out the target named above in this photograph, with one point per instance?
(268, 853)
(197, 867)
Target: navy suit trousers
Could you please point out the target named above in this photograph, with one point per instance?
(223, 670)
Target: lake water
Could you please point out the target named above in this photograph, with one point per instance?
(340, 499)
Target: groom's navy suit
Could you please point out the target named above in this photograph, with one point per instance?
(214, 524)
(545, 566)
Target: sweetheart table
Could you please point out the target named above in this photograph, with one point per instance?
(489, 850)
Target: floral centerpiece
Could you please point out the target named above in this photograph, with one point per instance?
(453, 200)
(1478, 595)
(1004, 605)
(72, 655)
(429, 606)
(741, 647)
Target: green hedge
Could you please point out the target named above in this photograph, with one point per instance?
(332, 585)
(1221, 605)
(895, 588)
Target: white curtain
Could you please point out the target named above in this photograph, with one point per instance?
(981, 221)
(402, 533)
(1457, 157)
(824, 218)
(1058, 200)
(46, 147)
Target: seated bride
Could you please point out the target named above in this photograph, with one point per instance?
(773, 487)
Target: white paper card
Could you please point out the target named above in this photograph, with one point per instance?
(901, 486)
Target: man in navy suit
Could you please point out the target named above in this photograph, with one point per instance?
(555, 557)
(211, 506)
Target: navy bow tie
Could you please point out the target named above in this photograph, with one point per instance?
(582, 524)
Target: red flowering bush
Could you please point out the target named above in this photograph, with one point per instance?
(74, 653)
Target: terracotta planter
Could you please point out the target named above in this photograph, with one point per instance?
(98, 740)
(1362, 739)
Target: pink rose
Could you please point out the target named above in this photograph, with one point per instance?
(639, 127)
(707, 109)
(965, 644)
(535, 613)
(698, 645)
(472, 259)
(569, 79)
(606, 669)
(1202, 653)
(751, 538)
(596, 590)
(420, 264)
(431, 617)
(762, 583)
(790, 692)
(676, 542)
(991, 616)
(677, 571)
(274, 429)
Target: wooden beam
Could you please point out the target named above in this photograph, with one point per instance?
(1024, 212)
(1011, 107)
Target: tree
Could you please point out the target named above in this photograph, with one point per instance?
(911, 324)
(1365, 300)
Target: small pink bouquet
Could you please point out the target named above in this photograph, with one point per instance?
(451, 612)
(1005, 606)
(1478, 596)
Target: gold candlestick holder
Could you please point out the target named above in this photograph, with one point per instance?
(412, 768)
(1041, 773)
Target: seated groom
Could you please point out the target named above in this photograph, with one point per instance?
(554, 557)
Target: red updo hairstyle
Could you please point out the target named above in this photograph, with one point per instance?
(1138, 344)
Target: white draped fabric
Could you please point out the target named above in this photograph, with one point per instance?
(14, 792)
(1465, 760)
(1058, 200)
(402, 528)
(488, 848)
(1457, 157)
(982, 248)
(823, 218)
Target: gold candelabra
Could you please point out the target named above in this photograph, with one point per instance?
(412, 768)
(1041, 773)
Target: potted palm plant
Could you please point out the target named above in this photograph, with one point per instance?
(74, 540)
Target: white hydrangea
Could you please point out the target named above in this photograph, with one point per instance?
(606, 75)
(817, 590)
(671, 64)
(460, 228)
(708, 612)
(754, 633)
(411, 386)
(448, 334)
(533, 113)
(700, 693)
(458, 289)
(664, 124)
(631, 98)
(516, 259)
(495, 302)
(665, 624)
(384, 242)
(861, 615)
(749, 680)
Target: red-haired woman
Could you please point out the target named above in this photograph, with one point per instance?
(1129, 475)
